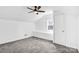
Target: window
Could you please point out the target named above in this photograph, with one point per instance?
(50, 25)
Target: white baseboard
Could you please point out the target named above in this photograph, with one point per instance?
(19, 38)
(36, 34)
(43, 35)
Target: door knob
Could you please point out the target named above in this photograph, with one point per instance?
(62, 30)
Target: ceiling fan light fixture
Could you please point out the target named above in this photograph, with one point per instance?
(36, 9)
(36, 12)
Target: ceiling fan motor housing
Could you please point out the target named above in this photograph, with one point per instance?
(36, 9)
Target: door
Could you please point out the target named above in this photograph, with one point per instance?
(59, 29)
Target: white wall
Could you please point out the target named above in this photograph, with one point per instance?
(8, 31)
(41, 24)
(12, 30)
(77, 31)
(25, 28)
(71, 30)
(69, 36)
(41, 28)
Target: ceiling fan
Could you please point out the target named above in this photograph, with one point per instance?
(35, 9)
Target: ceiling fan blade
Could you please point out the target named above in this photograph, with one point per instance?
(39, 7)
(30, 11)
(41, 11)
(30, 8)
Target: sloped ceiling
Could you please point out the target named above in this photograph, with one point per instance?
(67, 9)
(19, 13)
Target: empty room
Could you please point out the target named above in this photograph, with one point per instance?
(39, 29)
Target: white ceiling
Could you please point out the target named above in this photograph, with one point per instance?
(19, 13)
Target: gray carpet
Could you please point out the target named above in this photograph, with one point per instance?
(35, 45)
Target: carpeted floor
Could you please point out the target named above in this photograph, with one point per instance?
(35, 45)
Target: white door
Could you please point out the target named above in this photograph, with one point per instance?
(59, 29)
